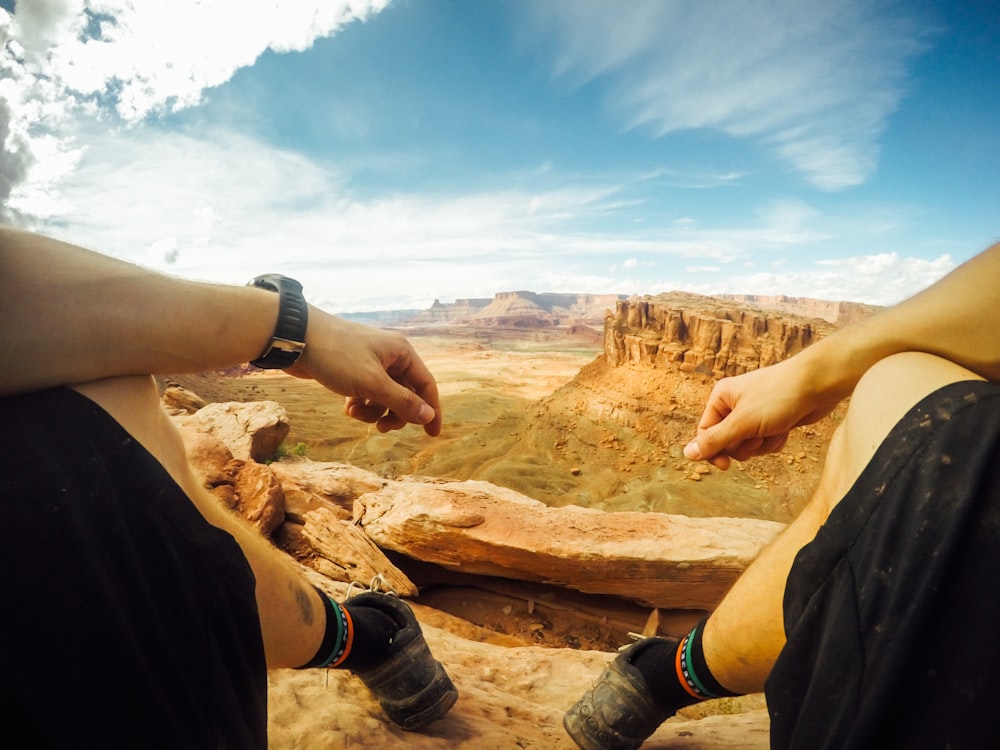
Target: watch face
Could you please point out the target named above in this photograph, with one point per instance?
(268, 281)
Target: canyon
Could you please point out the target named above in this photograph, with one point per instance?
(554, 515)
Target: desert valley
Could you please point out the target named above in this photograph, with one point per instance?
(565, 416)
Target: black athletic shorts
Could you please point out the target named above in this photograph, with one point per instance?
(127, 620)
(893, 612)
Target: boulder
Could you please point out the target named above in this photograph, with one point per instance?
(177, 399)
(258, 495)
(250, 430)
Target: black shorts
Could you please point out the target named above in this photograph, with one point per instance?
(893, 612)
(128, 621)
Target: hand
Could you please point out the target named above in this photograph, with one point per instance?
(385, 381)
(752, 414)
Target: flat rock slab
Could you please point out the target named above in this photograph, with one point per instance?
(658, 560)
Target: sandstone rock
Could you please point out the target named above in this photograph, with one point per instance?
(242, 485)
(207, 454)
(656, 559)
(839, 313)
(510, 695)
(258, 493)
(520, 309)
(343, 552)
(177, 399)
(310, 485)
(250, 430)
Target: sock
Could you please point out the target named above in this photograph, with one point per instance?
(373, 634)
(355, 637)
(677, 673)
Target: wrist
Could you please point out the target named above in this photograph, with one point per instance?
(833, 366)
(288, 340)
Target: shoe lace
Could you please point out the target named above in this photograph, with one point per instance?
(377, 585)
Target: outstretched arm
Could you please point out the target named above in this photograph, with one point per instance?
(73, 316)
(957, 318)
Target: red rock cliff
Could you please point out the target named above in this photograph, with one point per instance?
(704, 334)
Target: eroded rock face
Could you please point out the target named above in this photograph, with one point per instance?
(519, 309)
(839, 313)
(703, 334)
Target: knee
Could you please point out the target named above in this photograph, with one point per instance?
(882, 397)
(126, 397)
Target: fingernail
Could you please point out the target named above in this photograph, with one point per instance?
(425, 415)
(692, 451)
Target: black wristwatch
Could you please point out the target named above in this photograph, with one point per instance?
(289, 340)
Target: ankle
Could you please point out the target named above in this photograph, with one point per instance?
(373, 635)
(692, 666)
(676, 672)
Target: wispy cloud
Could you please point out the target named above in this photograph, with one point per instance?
(223, 206)
(812, 80)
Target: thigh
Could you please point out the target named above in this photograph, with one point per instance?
(879, 605)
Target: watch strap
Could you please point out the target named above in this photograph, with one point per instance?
(289, 339)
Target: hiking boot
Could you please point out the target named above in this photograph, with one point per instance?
(410, 684)
(617, 713)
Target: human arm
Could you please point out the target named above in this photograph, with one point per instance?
(73, 316)
(956, 318)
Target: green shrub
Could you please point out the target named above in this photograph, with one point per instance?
(286, 451)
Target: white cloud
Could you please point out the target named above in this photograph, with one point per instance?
(63, 62)
(813, 80)
(880, 279)
(147, 56)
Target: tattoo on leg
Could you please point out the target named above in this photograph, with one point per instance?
(305, 604)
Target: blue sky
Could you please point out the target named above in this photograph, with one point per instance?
(391, 153)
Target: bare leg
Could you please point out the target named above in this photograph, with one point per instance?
(745, 634)
(291, 613)
(393, 659)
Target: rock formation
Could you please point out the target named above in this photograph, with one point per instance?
(517, 310)
(527, 578)
(703, 334)
(653, 559)
(658, 560)
(512, 694)
(838, 313)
